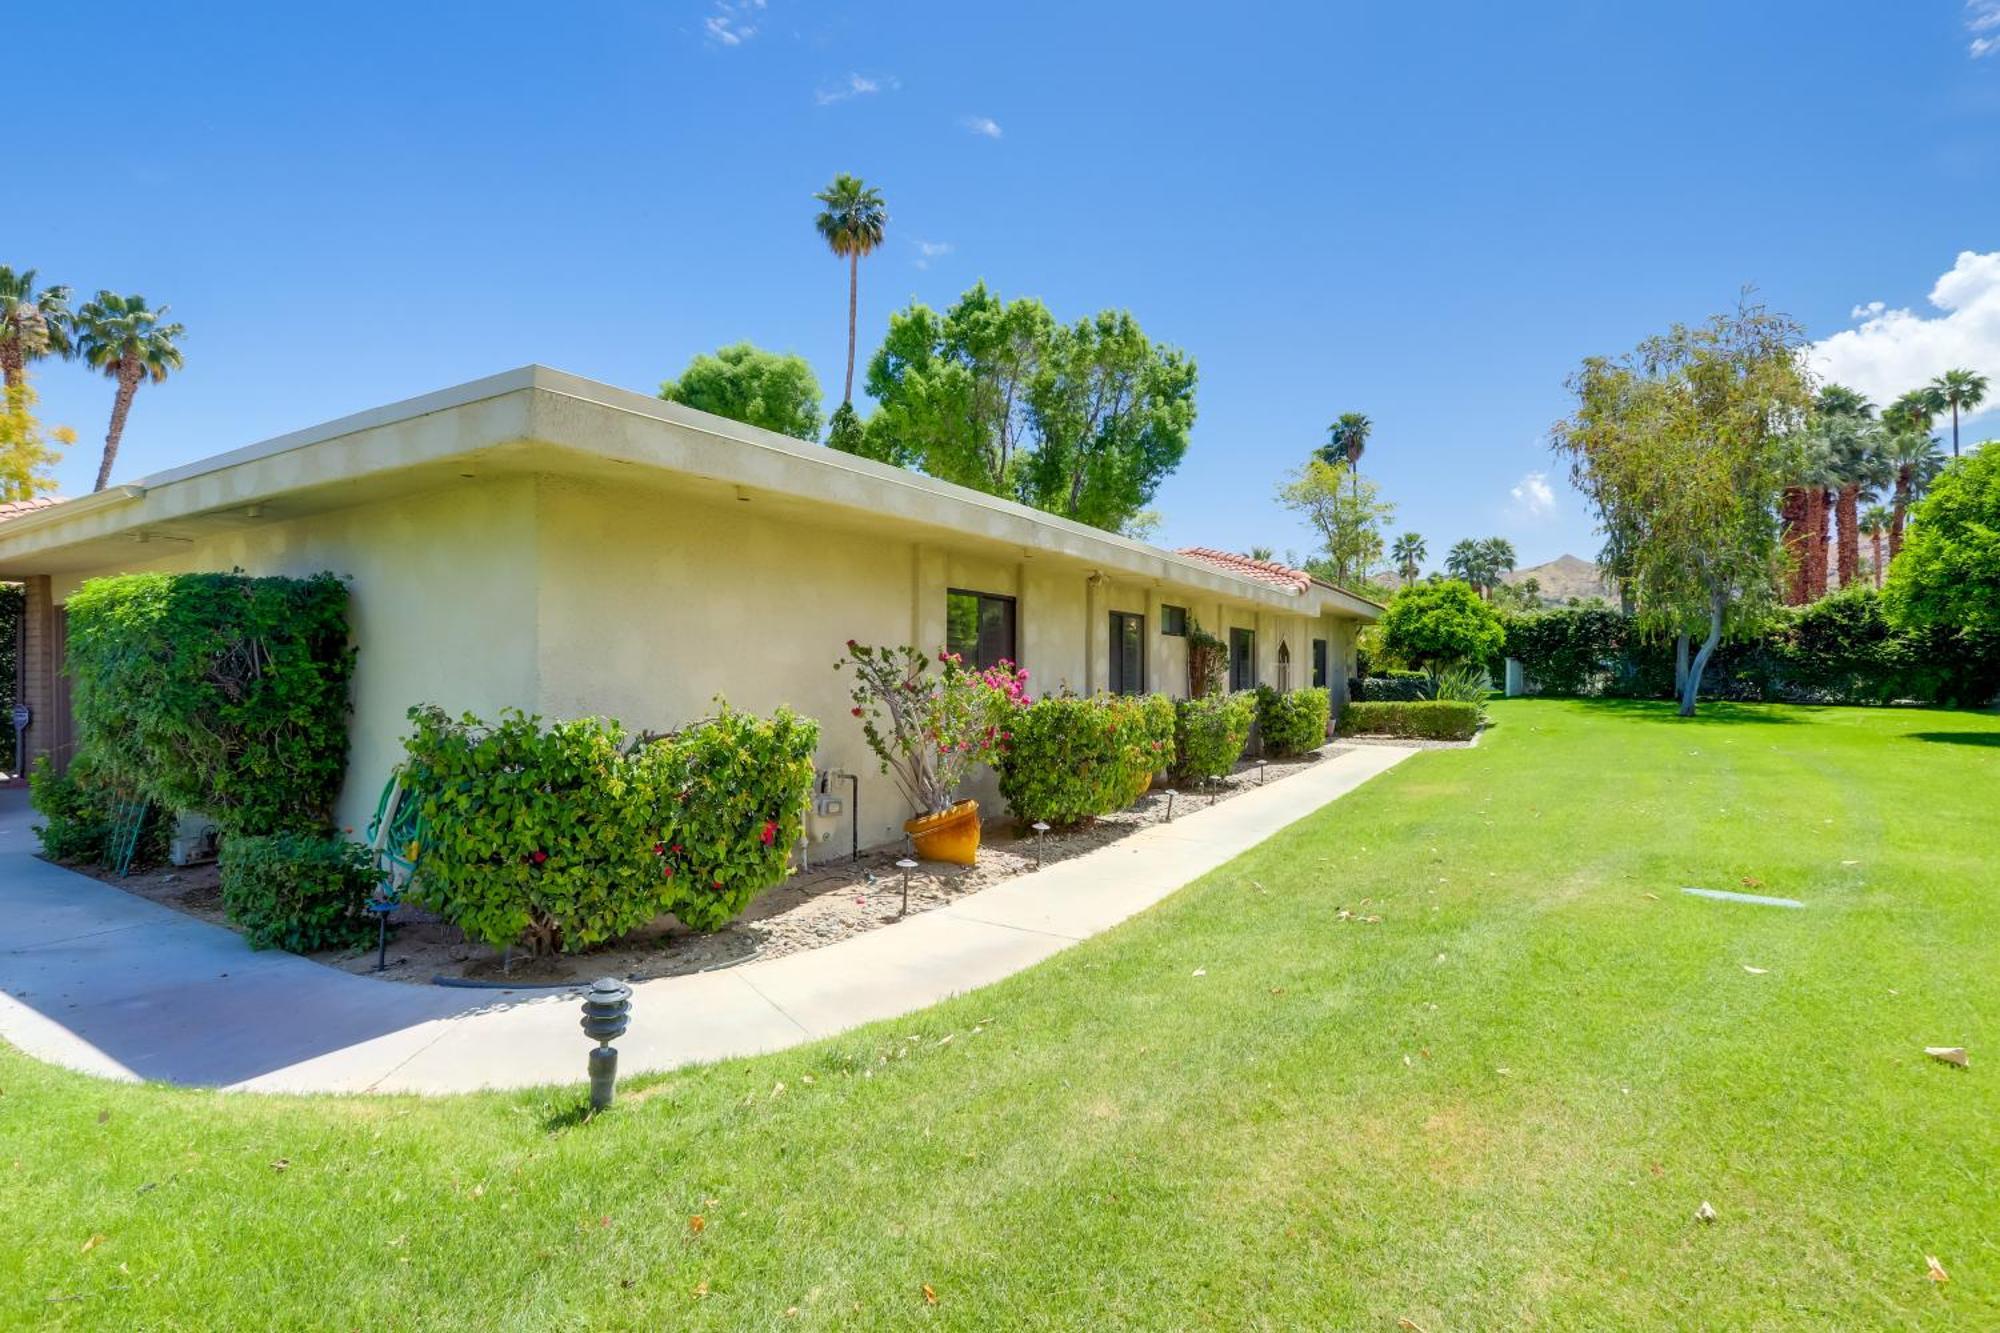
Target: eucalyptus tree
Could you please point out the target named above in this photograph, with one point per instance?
(130, 342)
(33, 324)
(852, 224)
(1683, 446)
(1960, 391)
(1348, 519)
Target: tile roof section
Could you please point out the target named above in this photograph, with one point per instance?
(15, 508)
(1261, 571)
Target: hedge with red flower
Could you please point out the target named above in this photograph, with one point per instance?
(569, 835)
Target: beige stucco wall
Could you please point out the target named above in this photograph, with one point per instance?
(643, 601)
(442, 587)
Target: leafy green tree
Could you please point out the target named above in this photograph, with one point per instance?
(1684, 446)
(1960, 391)
(1439, 624)
(26, 452)
(852, 225)
(1408, 553)
(775, 390)
(1948, 574)
(1112, 412)
(1346, 441)
(33, 324)
(1348, 516)
(845, 433)
(1083, 420)
(127, 340)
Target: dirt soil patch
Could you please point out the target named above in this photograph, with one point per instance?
(812, 908)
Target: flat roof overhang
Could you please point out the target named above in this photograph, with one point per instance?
(535, 420)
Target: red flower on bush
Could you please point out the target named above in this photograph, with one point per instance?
(537, 857)
(666, 872)
(770, 833)
(659, 849)
(855, 711)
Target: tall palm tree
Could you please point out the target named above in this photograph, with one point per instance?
(1846, 422)
(1819, 473)
(1874, 524)
(1958, 390)
(1408, 553)
(32, 324)
(851, 224)
(125, 338)
(1914, 461)
(1346, 441)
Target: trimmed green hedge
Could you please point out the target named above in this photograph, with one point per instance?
(1075, 758)
(1293, 722)
(215, 692)
(1396, 685)
(1210, 733)
(1420, 720)
(298, 891)
(567, 836)
(1839, 650)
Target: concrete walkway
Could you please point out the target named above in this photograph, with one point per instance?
(99, 980)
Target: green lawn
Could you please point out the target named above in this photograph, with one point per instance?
(1501, 1103)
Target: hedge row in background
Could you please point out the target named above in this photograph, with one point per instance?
(1210, 732)
(1839, 650)
(298, 891)
(1075, 758)
(1391, 686)
(1294, 722)
(568, 835)
(217, 693)
(1430, 720)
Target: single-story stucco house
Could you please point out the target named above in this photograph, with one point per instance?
(548, 543)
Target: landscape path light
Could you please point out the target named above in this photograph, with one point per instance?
(906, 865)
(607, 1010)
(1041, 832)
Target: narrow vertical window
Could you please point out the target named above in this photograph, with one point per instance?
(1128, 653)
(1242, 659)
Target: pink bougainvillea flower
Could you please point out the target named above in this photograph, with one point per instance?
(659, 849)
(677, 849)
(770, 832)
(855, 711)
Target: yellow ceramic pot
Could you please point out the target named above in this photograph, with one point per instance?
(950, 835)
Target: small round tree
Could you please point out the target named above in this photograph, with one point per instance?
(1440, 624)
(1948, 572)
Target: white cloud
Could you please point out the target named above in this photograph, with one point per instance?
(1896, 349)
(1982, 20)
(929, 250)
(730, 24)
(854, 85)
(1533, 496)
(985, 125)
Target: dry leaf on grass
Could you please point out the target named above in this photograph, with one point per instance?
(1705, 1213)
(282, 1164)
(1751, 882)
(96, 1239)
(696, 1224)
(1201, 971)
(1936, 1273)
(1755, 971)
(1951, 1055)
(930, 1296)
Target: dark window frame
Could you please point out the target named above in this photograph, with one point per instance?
(1173, 621)
(1321, 654)
(1119, 668)
(975, 659)
(1242, 658)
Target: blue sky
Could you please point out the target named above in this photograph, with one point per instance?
(1425, 213)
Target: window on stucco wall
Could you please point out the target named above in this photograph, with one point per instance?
(979, 627)
(1319, 664)
(1284, 666)
(1242, 659)
(1128, 653)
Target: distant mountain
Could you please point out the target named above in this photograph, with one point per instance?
(1563, 578)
